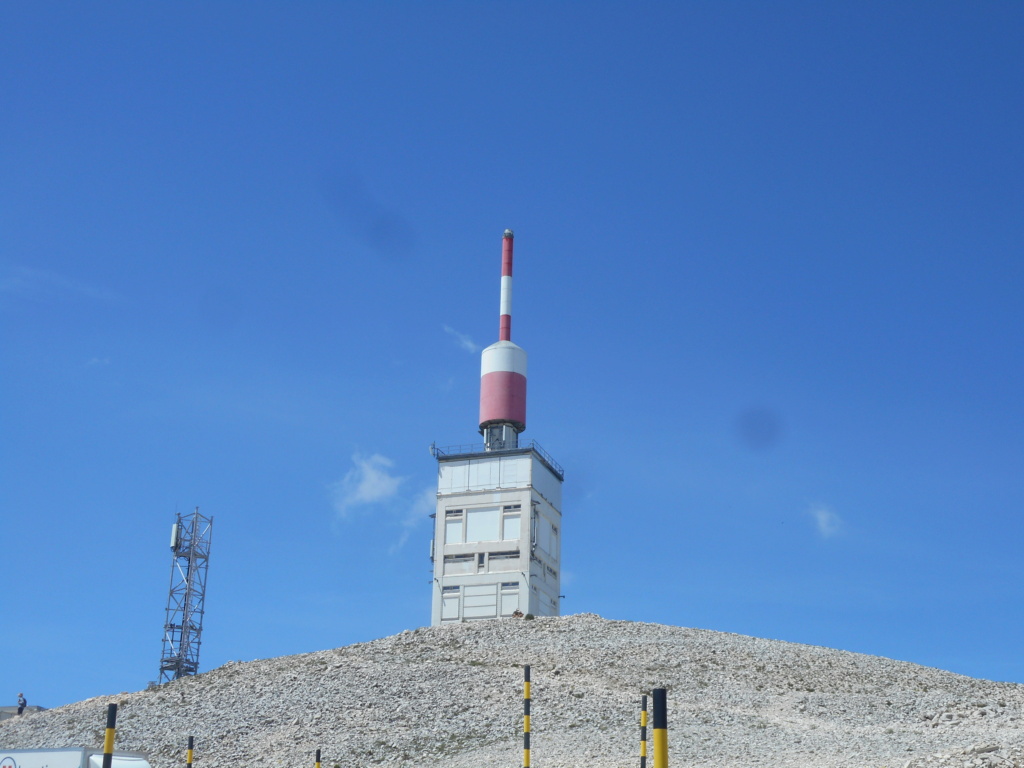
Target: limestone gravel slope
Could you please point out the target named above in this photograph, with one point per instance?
(452, 696)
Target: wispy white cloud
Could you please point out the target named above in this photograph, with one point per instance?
(93, 361)
(369, 481)
(462, 339)
(424, 503)
(372, 482)
(826, 520)
(40, 283)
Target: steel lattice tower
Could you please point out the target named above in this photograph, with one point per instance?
(183, 628)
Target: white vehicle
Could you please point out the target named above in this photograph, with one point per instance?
(68, 758)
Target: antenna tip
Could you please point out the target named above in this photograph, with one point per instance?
(508, 234)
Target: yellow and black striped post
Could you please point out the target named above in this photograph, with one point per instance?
(318, 758)
(188, 752)
(108, 737)
(526, 716)
(660, 728)
(643, 732)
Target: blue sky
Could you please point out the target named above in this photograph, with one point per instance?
(768, 273)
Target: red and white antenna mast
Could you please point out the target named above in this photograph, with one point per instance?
(503, 371)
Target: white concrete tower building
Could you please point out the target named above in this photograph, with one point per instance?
(497, 527)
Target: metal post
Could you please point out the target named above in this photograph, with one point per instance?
(318, 758)
(643, 732)
(188, 753)
(660, 728)
(526, 716)
(108, 737)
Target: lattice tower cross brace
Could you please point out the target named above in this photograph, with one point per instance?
(183, 627)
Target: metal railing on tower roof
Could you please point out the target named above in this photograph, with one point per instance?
(481, 448)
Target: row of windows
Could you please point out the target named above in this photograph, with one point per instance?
(469, 526)
(545, 572)
(493, 562)
(505, 585)
(481, 562)
(482, 524)
(483, 601)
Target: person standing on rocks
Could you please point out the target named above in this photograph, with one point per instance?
(22, 703)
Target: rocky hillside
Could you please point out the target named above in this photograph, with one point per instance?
(452, 696)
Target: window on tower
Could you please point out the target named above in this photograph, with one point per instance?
(509, 597)
(453, 526)
(510, 527)
(449, 604)
(483, 524)
(503, 561)
(456, 564)
(543, 534)
(510, 522)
